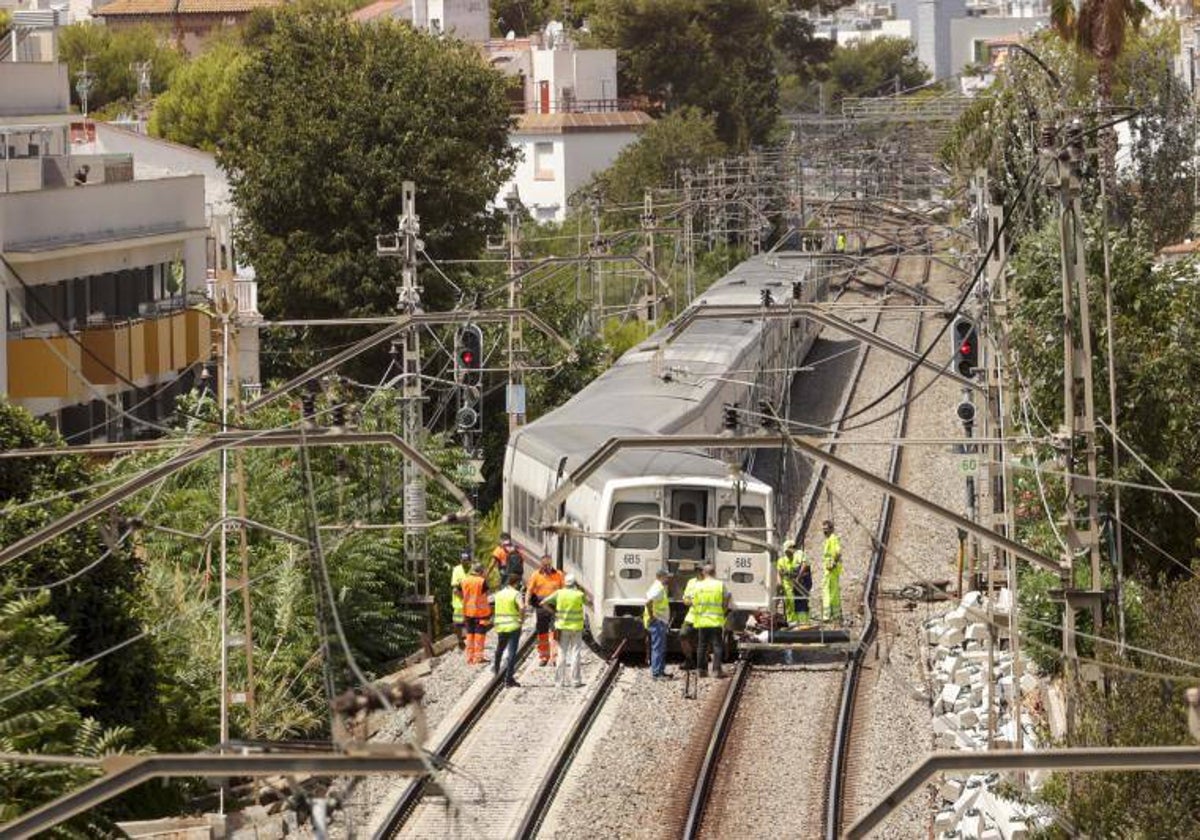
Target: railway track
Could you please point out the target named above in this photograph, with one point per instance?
(505, 759)
(797, 701)
(843, 762)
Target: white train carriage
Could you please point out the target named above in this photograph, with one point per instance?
(634, 515)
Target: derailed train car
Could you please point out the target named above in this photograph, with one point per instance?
(633, 515)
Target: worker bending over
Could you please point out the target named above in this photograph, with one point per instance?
(567, 604)
(509, 614)
(545, 582)
(795, 581)
(831, 588)
(710, 603)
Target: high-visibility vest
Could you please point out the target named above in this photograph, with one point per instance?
(544, 583)
(456, 577)
(786, 566)
(508, 611)
(688, 591)
(475, 599)
(708, 602)
(832, 552)
(659, 609)
(568, 609)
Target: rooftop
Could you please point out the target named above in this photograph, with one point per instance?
(383, 10)
(570, 123)
(120, 8)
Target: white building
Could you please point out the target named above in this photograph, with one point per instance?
(469, 20)
(571, 122)
(102, 273)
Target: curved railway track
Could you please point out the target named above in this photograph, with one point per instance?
(840, 770)
(764, 699)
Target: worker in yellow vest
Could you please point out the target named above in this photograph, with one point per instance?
(710, 604)
(657, 619)
(568, 604)
(457, 575)
(786, 567)
(687, 630)
(831, 588)
(508, 613)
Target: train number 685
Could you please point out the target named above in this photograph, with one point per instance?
(631, 560)
(743, 562)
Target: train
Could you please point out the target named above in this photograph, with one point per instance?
(642, 510)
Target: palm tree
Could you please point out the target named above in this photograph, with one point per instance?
(1099, 27)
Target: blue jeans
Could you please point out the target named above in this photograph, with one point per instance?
(658, 648)
(510, 642)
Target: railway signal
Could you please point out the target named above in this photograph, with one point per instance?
(468, 356)
(965, 336)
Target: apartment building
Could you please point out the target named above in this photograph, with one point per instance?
(103, 275)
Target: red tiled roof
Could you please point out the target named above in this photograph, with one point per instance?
(120, 8)
(575, 123)
(1189, 247)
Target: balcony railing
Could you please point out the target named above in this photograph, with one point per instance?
(44, 366)
(570, 105)
(245, 292)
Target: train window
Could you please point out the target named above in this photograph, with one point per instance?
(631, 574)
(641, 534)
(752, 521)
(743, 577)
(688, 513)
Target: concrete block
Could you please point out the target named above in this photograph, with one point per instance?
(967, 798)
(977, 692)
(956, 618)
(972, 823)
(944, 723)
(991, 834)
(967, 718)
(952, 637)
(945, 740)
(974, 598)
(944, 820)
(1028, 683)
(976, 631)
(950, 664)
(950, 789)
(950, 695)
(962, 703)
(1004, 687)
(963, 676)
(934, 633)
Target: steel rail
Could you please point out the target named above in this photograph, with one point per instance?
(548, 789)
(411, 797)
(712, 755)
(840, 753)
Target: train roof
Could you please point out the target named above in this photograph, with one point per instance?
(633, 397)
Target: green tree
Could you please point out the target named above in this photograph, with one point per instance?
(328, 119)
(682, 139)
(715, 55)
(873, 68)
(1100, 29)
(195, 108)
(92, 582)
(34, 646)
(110, 55)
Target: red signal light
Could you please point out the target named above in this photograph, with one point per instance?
(965, 349)
(467, 357)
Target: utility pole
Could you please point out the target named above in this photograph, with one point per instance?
(649, 221)
(515, 395)
(405, 245)
(84, 80)
(689, 251)
(1081, 531)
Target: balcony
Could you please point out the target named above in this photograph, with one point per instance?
(571, 105)
(42, 366)
(245, 293)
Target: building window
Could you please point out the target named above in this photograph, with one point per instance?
(543, 161)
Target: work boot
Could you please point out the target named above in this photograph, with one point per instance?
(512, 684)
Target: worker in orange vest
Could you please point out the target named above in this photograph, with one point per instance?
(477, 612)
(545, 582)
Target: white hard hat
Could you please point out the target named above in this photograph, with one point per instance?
(788, 544)
(570, 581)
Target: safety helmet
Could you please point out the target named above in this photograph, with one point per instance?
(465, 555)
(570, 580)
(789, 544)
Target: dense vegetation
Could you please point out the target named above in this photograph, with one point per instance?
(1157, 386)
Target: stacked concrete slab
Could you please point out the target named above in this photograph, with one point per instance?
(963, 708)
